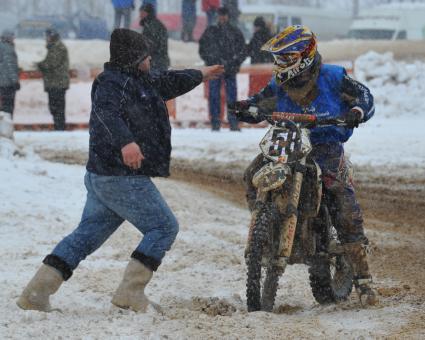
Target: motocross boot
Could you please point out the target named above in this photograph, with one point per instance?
(362, 277)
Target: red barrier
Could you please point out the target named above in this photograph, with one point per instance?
(259, 75)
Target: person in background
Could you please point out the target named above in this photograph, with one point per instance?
(123, 9)
(261, 35)
(9, 72)
(210, 8)
(155, 33)
(188, 19)
(130, 142)
(55, 71)
(151, 2)
(234, 12)
(223, 44)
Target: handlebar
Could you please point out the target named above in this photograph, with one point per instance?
(307, 119)
(295, 117)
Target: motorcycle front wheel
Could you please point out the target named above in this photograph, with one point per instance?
(262, 275)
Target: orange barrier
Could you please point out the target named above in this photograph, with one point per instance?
(259, 76)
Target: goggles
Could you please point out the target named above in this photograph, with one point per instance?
(287, 61)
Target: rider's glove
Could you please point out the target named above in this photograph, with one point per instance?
(353, 117)
(240, 105)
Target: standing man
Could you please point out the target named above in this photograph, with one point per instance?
(123, 9)
(130, 142)
(223, 44)
(261, 35)
(210, 8)
(9, 72)
(55, 70)
(156, 35)
(188, 19)
(234, 12)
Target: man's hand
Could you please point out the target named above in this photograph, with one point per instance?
(132, 156)
(212, 72)
(353, 117)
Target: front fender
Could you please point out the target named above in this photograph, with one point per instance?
(271, 176)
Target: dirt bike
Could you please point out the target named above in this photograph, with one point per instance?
(292, 221)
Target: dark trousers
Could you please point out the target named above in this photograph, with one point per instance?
(57, 107)
(122, 13)
(7, 99)
(215, 100)
(187, 29)
(211, 17)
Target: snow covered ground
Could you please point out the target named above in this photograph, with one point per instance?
(201, 285)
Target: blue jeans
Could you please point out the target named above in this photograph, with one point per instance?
(211, 17)
(215, 100)
(110, 201)
(124, 13)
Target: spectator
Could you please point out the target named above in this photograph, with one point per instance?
(123, 9)
(210, 8)
(9, 72)
(223, 44)
(188, 19)
(55, 70)
(151, 2)
(157, 36)
(261, 35)
(233, 7)
(130, 142)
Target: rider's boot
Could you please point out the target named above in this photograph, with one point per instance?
(362, 277)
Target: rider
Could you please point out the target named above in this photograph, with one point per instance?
(302, 84)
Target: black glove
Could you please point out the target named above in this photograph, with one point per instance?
(17, 86)
(353, 118)
(241, 105)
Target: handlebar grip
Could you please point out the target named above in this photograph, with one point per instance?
(295, 117)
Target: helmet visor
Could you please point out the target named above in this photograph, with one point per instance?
(287, 61)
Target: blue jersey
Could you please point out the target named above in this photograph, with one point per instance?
(337, 94)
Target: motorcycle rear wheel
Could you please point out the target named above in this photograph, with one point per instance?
(331, 276)
(262, 278)
(331, 279)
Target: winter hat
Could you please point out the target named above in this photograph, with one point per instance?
(148, 8)
(223, 11)
(259, 22)
(52, 33)
(127, 47)
(7, 35)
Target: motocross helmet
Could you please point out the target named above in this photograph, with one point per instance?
(294, 51)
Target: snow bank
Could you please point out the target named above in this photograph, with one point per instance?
(398, 86)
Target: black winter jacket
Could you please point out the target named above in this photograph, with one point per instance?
(225, 45)
(131, 108)
(157, 36)
(254, 47)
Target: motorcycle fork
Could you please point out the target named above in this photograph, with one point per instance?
(291, 214)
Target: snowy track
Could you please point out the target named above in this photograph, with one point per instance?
(200, 286)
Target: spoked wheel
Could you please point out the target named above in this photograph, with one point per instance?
(331, 279)
(331, 276)
(262, 276)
